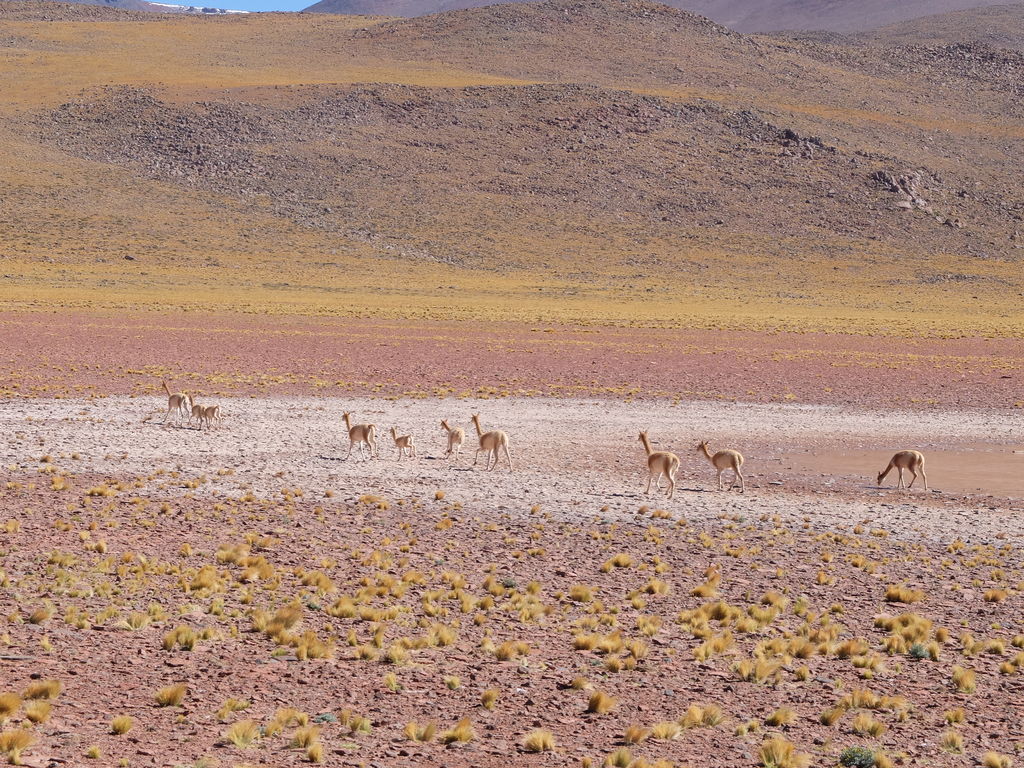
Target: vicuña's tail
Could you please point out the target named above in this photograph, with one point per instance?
(166, 388)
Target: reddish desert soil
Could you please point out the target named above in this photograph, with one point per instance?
(60, 354)
(104, 500)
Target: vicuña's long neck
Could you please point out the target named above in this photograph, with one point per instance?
(476, 423)
(348, 422)
(393, 433)
(647, 443)
(706, 452)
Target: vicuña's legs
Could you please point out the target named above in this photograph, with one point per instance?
(509, 457)
(743, 485)
(647, 490)
(719, 479)
(901, 483)
(924, 477)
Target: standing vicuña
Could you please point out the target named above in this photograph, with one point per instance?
(455, 437)
(660, 463)
(491, 442)
(205, 413)
(211, 415)
(723, 460)
(180, 402)
(912, 461)
(403, 443)
(359, 434)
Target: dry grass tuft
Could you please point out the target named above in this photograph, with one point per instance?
(38, 711)
(44, 689)
(540, 740)
(952, 742)
(635, 734)
(10, 703)
(780, 717)
(243, 734)
(231, 706)
(305, 736)
(13, 743)
(864, 723)
(666, 730)
(832, 716)
(315, 752)
(581, 593)
(777, 752)
(461, 733)
(900, 594)
(964, 680)
(620, 758)
(416, 732)
(171, 695)
(600, 703)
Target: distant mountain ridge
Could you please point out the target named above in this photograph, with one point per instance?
(896, 19)
(1000, 26)
(740, 15)
(153, 7)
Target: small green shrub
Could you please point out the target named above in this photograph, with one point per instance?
(857, 757)
(918, 651)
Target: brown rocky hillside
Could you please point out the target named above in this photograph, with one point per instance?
(570, 146)
(741, 15)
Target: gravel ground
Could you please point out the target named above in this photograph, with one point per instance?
(105, 559)
(567, 454)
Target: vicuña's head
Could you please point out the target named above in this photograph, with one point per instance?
(878, 481)
(702, 445)
(444, 425)
(643, 435)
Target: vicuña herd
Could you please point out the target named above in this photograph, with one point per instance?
(660, 464)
